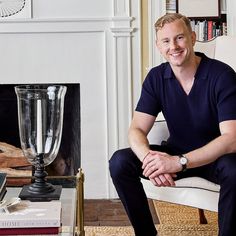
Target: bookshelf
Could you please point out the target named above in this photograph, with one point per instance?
(207, 26)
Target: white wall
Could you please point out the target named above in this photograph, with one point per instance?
(95, 43)
(231, 17)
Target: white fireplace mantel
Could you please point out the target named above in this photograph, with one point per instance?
(102, 53)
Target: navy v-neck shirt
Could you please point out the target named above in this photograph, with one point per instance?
(193, 119)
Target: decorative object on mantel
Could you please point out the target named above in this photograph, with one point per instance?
(40, 119)
(11, 7)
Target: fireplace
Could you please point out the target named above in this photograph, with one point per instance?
(68, 159)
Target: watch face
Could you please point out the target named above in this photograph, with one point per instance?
(183, 160)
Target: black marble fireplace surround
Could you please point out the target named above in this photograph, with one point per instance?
(68, 159)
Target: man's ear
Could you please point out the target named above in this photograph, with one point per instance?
(193, 37)
(157, 44)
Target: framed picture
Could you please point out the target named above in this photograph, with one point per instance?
(15, 9)
(199, 8)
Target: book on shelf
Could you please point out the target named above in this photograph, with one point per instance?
(208, 29)
(201, 31)
(3, 180)
(30, 231)
(170, 6)
(27, 214)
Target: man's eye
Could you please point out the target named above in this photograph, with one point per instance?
(165, 41)
(180, 37)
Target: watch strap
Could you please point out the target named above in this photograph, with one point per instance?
(184, 166)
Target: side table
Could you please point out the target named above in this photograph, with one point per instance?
(72, 199)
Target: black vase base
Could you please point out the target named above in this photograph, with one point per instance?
(27, 194)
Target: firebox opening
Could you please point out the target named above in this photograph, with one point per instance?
(68, 159)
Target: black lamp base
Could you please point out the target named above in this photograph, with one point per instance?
(37, 196)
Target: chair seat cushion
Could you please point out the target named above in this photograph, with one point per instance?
(197, 182)
(191, 191)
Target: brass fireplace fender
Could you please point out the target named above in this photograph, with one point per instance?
(79, 231)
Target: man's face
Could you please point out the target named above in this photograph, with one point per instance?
(175, 43)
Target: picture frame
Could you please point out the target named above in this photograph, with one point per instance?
(15, 10)
(199, 8)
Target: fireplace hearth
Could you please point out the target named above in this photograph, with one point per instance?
(12, 160)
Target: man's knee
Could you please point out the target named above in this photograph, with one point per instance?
(228, 169)
(118, 161)
(124, 162)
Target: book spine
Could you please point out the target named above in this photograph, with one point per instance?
(201, 31)
(210, 30)
(3, 180)
(196, 29)
(224, 28)
(214, 29)
(2, 193)
(192, 23)
(30, 231)
(29, 224)
(205, 30)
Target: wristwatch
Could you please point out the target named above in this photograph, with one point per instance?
(183, 161)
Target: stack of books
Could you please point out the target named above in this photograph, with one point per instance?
(30, 218)
(3, 181)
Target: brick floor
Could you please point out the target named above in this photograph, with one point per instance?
(108, 212)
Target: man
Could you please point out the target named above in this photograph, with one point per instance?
(197, 96)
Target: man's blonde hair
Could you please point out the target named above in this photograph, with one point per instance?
(171, 17)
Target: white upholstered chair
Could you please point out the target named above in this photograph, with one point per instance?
(193, 191)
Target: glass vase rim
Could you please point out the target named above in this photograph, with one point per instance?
(32, 87)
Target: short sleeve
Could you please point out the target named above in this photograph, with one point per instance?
(149, 101)
(226, 95)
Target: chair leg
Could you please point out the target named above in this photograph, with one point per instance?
(202, 217)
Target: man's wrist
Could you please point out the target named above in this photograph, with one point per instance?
(145, 156)
(183, 160)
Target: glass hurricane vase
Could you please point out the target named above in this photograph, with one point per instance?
(40, 119)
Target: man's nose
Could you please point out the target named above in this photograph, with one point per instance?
(173, 44)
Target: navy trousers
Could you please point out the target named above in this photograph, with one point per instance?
(126, 170)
